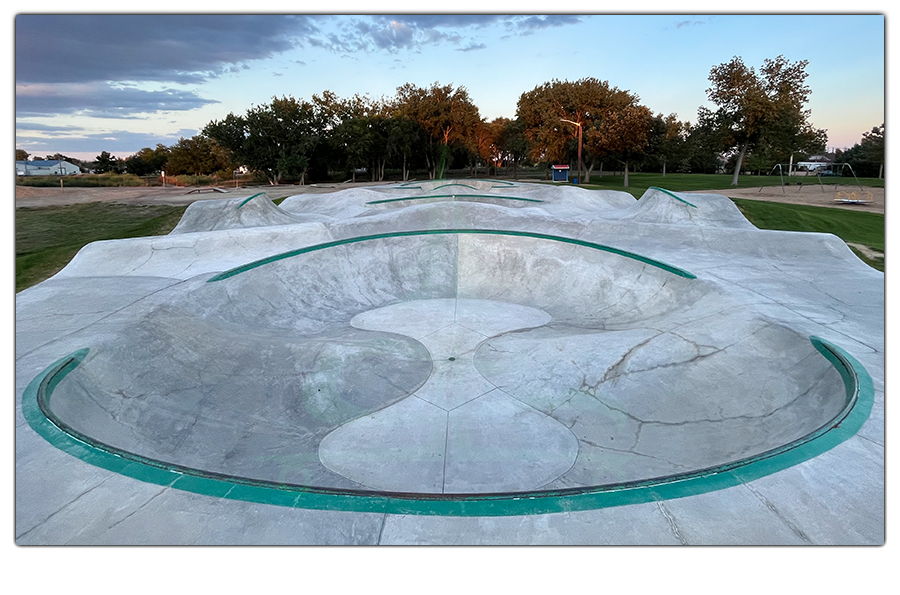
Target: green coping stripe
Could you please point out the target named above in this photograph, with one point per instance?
(455, 184)
(408, 198)
(673, 195)
(858, 386)
(249, 198)
(397, 234)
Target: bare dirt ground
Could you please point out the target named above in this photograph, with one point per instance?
(812, 194)
(28, 196)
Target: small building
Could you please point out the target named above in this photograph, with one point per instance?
(560, 173)
(46, 168)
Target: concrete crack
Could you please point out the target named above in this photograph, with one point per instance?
(63, 507)
(796, 530)
(672, 524)
(138, 509)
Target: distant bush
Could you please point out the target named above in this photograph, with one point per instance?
(85, 180)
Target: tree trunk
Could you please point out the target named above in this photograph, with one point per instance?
(880, 171)
(353, 175)
(737, 166)
(405, 173)
(626, 174)
(515, 169)
(664, 169)
(587, 172)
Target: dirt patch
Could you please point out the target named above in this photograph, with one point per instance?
(866, 251)
(812, 194)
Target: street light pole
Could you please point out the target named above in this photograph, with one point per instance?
(579, 145)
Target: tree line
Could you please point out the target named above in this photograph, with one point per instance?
(760, 119)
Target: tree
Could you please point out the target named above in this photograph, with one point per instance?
(867, 156)
(757, 107)
(873, 147)
(21, 155)
(106, 163)
(586, 101)
(147, 161)
(404, 135)
(198, 155)
(277, 139)
(667, 140)
(445, 113)
(704, 144)
(624, 133)
(512, 143)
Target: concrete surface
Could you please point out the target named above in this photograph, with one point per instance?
(449, 340)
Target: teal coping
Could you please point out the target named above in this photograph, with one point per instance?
(454, 184)
(859, 392)
(500, 182)
(403, 198)
(283, 255)
(249, 198)
(673, 195)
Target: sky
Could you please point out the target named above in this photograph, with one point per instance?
(86, 83)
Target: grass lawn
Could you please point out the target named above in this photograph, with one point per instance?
(639, 182)
(850, 226)
(47, 238)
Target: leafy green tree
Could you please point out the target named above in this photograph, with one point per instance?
(147, 161)
(667, 141)
(867, 156)
(625, 133)
(447, 115)
(756, 107)
(106, 163)
(404, 137)
(873, 147)
(703, 146)
(277, 138)
(512, 143)
(586, 102)
(198, 155)
(21, 155)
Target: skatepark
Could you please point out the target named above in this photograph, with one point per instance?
(454, 362)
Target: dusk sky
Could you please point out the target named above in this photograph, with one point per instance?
(92, 83)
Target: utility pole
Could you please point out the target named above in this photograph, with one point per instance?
(579, 146)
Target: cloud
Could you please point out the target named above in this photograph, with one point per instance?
(183, 49)
(688, 23)
(472, 47)
(542, 22)
(101, 99)
(71, 140)
(393, 33)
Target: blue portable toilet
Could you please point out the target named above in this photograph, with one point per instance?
(560, 173)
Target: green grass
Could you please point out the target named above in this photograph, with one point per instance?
(47, 238)
(850, 226)
(639, 182)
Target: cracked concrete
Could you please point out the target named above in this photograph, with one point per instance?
(455, 363)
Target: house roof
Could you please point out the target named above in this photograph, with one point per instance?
(42, 163)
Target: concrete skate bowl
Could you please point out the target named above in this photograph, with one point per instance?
(482, 191)
(458, 372)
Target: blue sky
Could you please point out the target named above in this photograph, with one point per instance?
(92, 83)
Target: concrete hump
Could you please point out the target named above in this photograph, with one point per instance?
(236, 213)
(684, 208)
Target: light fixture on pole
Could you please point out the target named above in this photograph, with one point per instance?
(579, 145)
